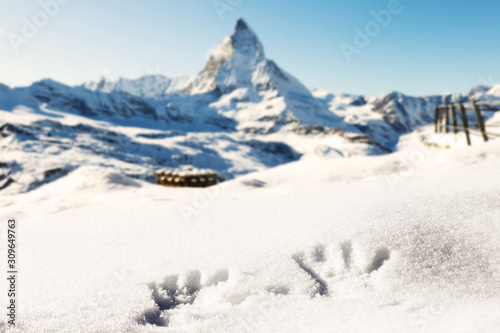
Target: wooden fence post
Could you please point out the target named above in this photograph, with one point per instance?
(443, 116)
(480, 120)
(436, 119)
(465, 122)
(454, 117)
(439, 120)
(447, 120)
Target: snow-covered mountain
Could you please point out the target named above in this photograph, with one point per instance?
(241, 84)
(149, 86)
(241, 113)
(386, 118)
(239, 62)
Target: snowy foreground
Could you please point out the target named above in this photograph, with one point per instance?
(318, 245)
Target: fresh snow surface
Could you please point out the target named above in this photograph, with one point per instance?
(407, 242)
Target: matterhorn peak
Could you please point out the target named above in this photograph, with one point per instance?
(241, 25)
(244, 40)
(239, 63)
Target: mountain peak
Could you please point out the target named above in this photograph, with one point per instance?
(241, 25)
(239, 62)
(243, 30)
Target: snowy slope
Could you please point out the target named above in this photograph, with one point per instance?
(150, 86)
(299, 249)
(77, 100)
(494, 91)
(39, 147)
(389, 118)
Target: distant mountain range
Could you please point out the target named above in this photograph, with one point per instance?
(241, 113)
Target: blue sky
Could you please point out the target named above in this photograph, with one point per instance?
(428, 47)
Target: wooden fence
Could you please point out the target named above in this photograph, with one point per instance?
(446, 118)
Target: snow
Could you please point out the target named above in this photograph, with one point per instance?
(339, 213)
(38, 141)
(150, 86)
(494, 91)
(418, 254)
